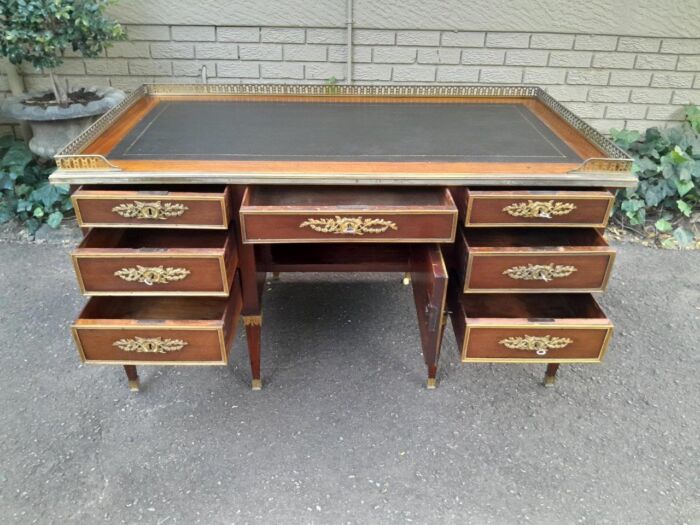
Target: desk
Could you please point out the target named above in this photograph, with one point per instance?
(490, 200)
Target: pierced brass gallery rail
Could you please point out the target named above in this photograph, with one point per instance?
(538, 344)
(539, 209)
(150, 210)
(349, 225)
(153, 345)
(150, 275)
(540, 272)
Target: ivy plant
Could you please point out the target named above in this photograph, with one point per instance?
(667, 164)
(25, 192)
(39, 31)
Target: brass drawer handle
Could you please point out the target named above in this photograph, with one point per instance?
(349, 225)
(538, 344)
(150, 275)
(152, 345)
(150, 210)
(539, 209)
(540, 272)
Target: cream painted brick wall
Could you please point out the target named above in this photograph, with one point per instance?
(631, 81)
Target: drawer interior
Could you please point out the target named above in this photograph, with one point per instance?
(349, 198)
(533, 237)
(531, 307)
(155, 308)
(127, 238)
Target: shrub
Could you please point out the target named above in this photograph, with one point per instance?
(38, 31)
(25, 190)
(667, 163)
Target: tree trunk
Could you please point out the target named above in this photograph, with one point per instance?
(59, 94)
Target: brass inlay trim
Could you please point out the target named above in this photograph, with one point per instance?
(84, 163)
(252, 320)
(349, 225)
(539, 209)
(538, 344)
(150, 210)
(150, 345)
(150, 275)
(540, 272)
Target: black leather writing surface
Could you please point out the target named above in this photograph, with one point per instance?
(394, 132)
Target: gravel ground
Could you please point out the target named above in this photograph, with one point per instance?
(343, 431)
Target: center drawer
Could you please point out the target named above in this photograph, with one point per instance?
(517, 328)
(534, 260)
(279, 214)
(158, 330)
(156, 262)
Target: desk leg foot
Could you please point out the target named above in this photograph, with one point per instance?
(253, 325)
(406, 279)
(275, 276)
(133, 377)
(550, 376)
(432, 378)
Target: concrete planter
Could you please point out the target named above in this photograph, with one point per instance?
(55, 126)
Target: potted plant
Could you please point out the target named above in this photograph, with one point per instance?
(38, 32)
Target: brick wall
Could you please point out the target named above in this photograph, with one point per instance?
(610, 81)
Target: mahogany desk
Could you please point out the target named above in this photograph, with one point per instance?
(189, 194)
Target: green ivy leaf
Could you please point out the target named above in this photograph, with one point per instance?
(47, 194)
(683, 236)
(663, 225)
(6, 212)
(684, 207)
(17, 155)
(54, 219)
(679, 156)
(684, 186)
(32, 225)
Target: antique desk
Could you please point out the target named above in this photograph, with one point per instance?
(491, 201)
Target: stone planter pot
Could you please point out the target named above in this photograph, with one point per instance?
(55, 126)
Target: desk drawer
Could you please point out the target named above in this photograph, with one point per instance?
(519, 207)
(156, 262)
(517, 328)
(271, 214)
(534, 260)
(162, 330)
(201, 207)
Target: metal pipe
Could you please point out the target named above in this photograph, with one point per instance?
(348, 74)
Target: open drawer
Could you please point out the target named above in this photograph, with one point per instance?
(156, 262)
(534, 260)
(158, 330)
(528, 207)
(201, 207)
(559, 328)
(283, 214)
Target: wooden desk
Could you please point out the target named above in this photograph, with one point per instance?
(192, 193)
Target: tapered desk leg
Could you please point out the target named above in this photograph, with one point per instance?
(253, 324)
(550, 376)
(133, 377)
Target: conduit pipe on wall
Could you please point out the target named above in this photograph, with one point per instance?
(348, 73)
